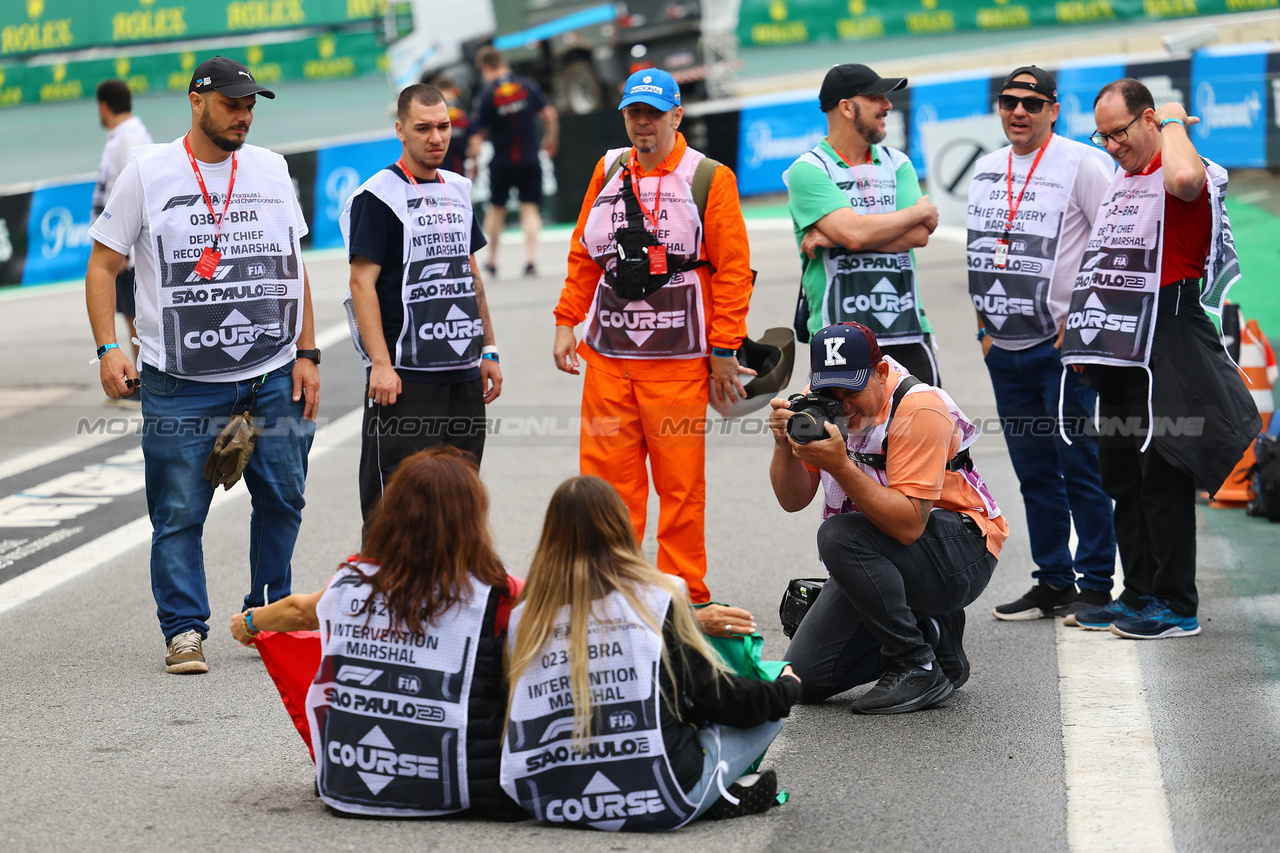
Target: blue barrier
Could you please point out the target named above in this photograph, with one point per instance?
(1229, 95)
(58, 240)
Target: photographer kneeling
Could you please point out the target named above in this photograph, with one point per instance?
(910, 533)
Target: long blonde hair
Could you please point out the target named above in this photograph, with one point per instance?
(588, 549)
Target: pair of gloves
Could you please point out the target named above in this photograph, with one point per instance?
(231, 451)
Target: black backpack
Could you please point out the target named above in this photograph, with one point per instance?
(1265, 474)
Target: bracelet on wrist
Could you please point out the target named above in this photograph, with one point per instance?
(249, 630)
(723, 352)
(490, 356)
(1176, 120)
(982, 333)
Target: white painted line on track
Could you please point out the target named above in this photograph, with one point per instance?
(91, 555)
(332, 336)
(1115, 792)
(1113, 774)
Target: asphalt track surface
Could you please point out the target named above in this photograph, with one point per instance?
(100, 749)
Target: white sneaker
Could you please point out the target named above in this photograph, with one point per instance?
(186, 654)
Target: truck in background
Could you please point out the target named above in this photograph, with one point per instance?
(579, 51)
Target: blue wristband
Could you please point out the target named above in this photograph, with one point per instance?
(982, 333)
(102, 350)
(491, 356)
(1178, 120)
(721, 352)
(248, 624)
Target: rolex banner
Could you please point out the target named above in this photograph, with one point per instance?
(764, 22)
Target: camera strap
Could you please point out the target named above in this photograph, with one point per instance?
(879, 461)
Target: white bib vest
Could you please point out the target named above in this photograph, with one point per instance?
(388, 710)
(623, 781)
(835, 501)
(1112, 319)
(670, 323)
(1014, 299)
(247, 318)
(877, 289)
(442, 327)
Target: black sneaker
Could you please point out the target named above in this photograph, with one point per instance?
(491, 270)
(756, 793)
(949, 650)
(903, 689)
(530, 271)
(1040, 601)
(1086, 599)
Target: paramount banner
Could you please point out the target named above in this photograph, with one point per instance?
(40, 26)
(765, 22)
(328, 57)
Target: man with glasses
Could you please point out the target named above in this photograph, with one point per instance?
(857, 212)
(1031, 209)
(1137, 328)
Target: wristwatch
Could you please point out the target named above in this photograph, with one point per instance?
(313, 354)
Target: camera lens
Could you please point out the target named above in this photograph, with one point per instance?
(806, 425)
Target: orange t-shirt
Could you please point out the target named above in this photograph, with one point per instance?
(922, 439)
(726, 292)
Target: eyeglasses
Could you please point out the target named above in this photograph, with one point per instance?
(1101, 139)
(1009, 103)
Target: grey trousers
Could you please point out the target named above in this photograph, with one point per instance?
(868, 614)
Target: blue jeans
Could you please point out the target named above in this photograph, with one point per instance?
(180, 420)
(738, 749)
(1060, 483)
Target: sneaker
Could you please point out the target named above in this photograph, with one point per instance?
(1156, 622)
(1101, 619)
(1087, 599)
(756, 793)
(1040, 601)
(949, 651)
(186, 653)
(491, 270)
(530, 271)
(904, 688)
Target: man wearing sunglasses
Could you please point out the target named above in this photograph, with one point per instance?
(857, 212)
(1137, 325)
(1031, 209)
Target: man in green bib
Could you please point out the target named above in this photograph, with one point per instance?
(858, 212)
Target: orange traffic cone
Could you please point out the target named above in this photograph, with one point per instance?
(1258, 364)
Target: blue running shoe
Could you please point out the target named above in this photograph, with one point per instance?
(1101, 618)
(1156, 622)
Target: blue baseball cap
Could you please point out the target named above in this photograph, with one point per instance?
(651, 86)
(843, 356)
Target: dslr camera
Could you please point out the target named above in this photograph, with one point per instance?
(812, 413)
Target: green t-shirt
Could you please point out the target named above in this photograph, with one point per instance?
(811, 195)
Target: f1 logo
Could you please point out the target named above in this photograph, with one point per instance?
(834, 357)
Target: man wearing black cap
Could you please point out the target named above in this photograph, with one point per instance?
(1031, 208)
(224, 320)
(910, 533)
(857, 212)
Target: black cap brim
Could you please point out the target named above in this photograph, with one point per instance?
(241, 90)
(884, 86)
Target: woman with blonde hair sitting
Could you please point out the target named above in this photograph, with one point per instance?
(406, 709)
(621, 715)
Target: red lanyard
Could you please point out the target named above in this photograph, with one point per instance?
(635, 188)
(1013, 206)
(195, 167)
(846, 159)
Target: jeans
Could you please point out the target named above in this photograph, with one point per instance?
(738, 749)
(1060, 483)
(181, 419)
(868, 614)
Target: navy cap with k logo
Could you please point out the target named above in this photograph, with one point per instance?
(843, 356)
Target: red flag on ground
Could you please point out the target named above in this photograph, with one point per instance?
(292, 659)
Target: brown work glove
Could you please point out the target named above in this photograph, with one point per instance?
(231, 451)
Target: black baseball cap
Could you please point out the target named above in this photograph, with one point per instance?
(228, 77)
(1044, 85)
(846, 81)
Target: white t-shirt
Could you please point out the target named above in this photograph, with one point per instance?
(125, 224)
(1092, 178)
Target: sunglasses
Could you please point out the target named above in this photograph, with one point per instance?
(1033, 105)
